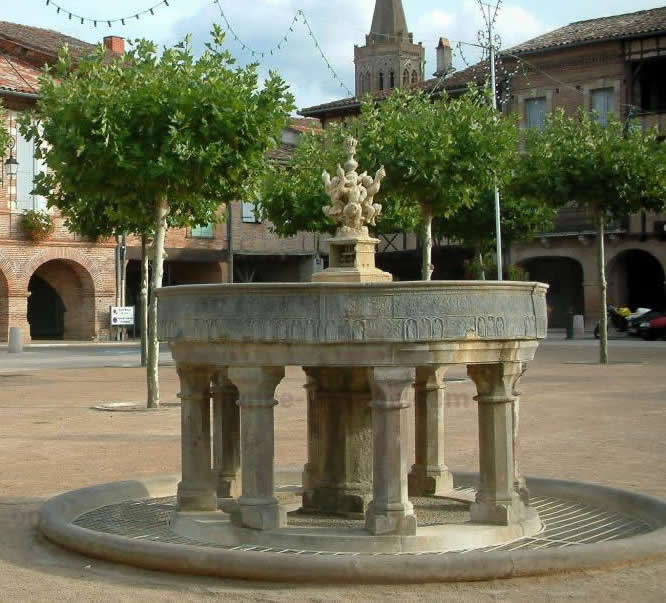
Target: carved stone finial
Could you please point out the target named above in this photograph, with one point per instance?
(352, 195)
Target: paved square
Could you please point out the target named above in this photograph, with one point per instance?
(579, 421)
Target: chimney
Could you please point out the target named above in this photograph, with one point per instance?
(444, 58)
(115, 44)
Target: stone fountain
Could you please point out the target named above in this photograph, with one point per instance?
(365, 344)
(375, 354)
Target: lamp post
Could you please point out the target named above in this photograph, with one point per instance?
(10, 165)
(10, 168)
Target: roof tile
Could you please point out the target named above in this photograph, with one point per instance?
(598, 30)
(44, 40)
(18, 76)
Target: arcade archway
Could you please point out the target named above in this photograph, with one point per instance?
(565, 277)
(62, 301)
(4, 307)
(636, 279)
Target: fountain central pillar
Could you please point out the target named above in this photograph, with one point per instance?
(338, 476)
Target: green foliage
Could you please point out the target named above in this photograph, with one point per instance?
(445, 153)
(474, 226)
(514, 272)
(119, 133)
(4, 134)
(479, 268)
(293, 197)
(615, 169)
(37, 225)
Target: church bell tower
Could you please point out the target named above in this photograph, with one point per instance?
(389, 59)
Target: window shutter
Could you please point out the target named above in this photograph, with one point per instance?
(28, 168)
(535, 113)
(601, 102)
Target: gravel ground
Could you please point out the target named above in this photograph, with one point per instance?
(579, 421)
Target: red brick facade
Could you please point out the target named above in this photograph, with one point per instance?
(63, 287)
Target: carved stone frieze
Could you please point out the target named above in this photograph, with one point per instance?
(386, 312)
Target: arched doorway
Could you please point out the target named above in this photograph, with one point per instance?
(4, 307)
(636, 279)
(62, 301)
(565, 277)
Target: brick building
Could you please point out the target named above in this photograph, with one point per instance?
(62, 288)
(614, 64)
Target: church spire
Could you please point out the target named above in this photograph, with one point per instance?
(389, 21)
(389, 59)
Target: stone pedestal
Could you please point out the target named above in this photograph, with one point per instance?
(429, 475)
(258, 507)
(390, 511)
(196, 491)
(497, 500)
(352, 260)
(339, 470)
(226, 437)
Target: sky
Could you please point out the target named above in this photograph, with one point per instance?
(336, 24)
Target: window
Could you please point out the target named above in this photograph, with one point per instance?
(602, 103)
(405, 78)
(392, 80)
(249, 213)
(415, 77)
(535, 113)
(381, 80)
(28, 168)
(203, 232)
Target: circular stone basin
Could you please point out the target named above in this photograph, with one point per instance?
(585, 526)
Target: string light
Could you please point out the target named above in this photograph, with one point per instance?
(83, 19)
(299, 17)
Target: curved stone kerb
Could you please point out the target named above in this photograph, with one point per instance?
(58, 514)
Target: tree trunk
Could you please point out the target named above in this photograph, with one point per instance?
(230, 243)
(482, 268)
(143, 300)
(161, 212)
(601, 267)
(426, 266)
(123, 279)
(116, 334)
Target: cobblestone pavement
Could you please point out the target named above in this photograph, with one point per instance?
(578, 421)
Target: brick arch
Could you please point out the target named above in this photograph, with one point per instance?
(636, 278)
(565, 275)
(5, 276)
(7, 269)
(68, 255)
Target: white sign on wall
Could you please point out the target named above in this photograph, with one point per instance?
(122, 316)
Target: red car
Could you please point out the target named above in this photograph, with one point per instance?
(653, 329)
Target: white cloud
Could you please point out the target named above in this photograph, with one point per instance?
(514, 24)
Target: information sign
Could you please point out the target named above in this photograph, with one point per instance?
(122, 316)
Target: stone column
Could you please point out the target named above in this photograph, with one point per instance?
(339, 436)
(226, 436)
(430, 475)
(518, 480)
(497, 500)
(196, 491)
(17, 314)
(390, 511)
(259, 509)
